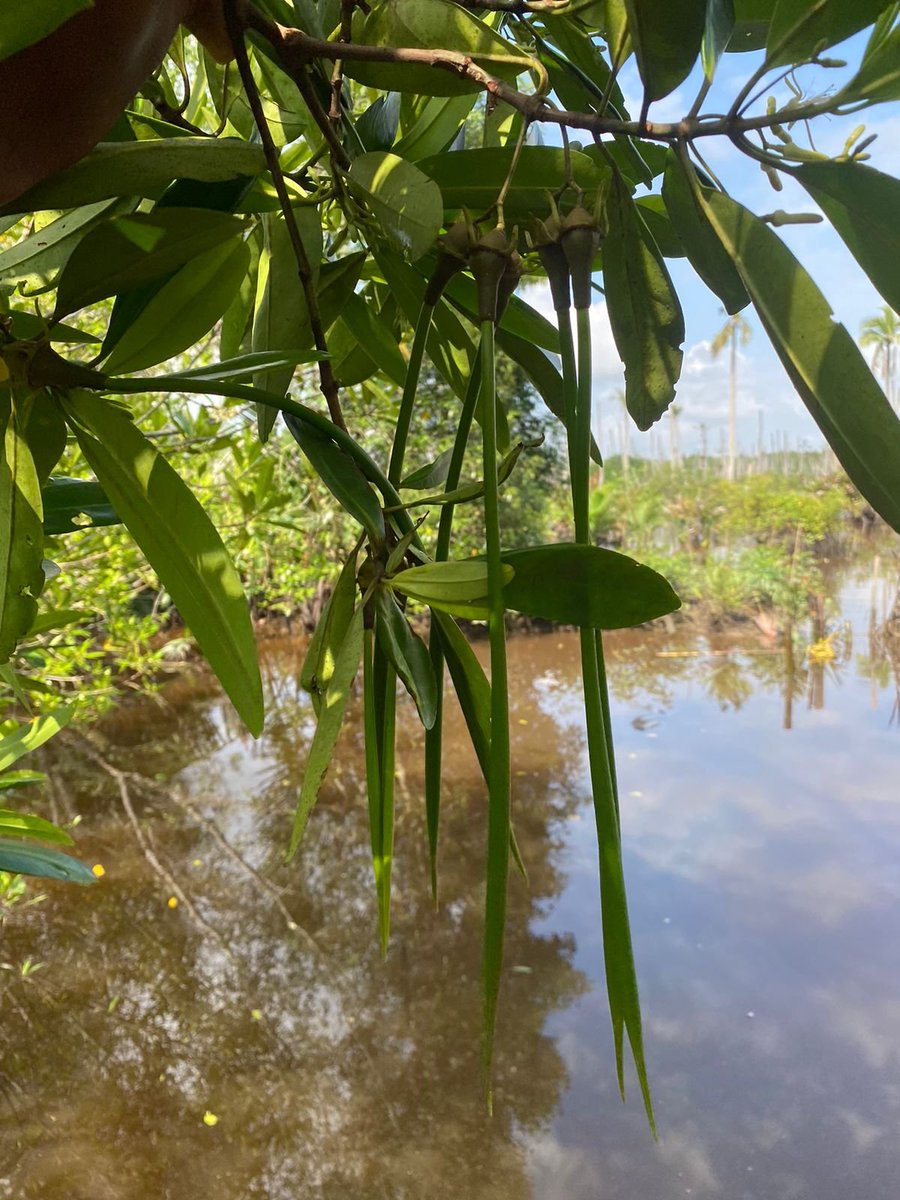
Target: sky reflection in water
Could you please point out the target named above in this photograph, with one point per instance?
(764, 874)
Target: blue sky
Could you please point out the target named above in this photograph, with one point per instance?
(763, 387)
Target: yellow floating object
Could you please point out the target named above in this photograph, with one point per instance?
(172, 902)
(99, 870)
(210, 1118)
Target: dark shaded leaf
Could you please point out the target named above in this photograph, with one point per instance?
(716, 33)
(666, 39)
(823, 361)
(864, 207)
(66, 499)
(341, 476)
(801, 29)
(585, 586)
(644, 311)
(23, 859)
(408, 654)
(707, 255)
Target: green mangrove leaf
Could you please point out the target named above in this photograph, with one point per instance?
(17, 779)
(15, 824)
(470, 685)
(179, 541)
(242, 365)
(644, 312)
(585, 586)
(432, 475)
(28, 737)
(800, 29)
(878, 78)
(45, 433)
(341, 476)
(447, 585)
(666, 39)
(326, 641)
(331, 718)
(22, 859)
(824, 363)
(141, 168)
(280, 312)
(65, 500)
(374, 336)
(439, 121)
(408, 654)
(472, 178)
(183, 310)
(21, 533)
(135, 249)
(404, 201)
(707, 255)
(717, 30)
(36, 261)
(428, 25)
(863, 205)
(24, 22)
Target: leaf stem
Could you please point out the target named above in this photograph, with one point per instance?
(410, 387)
(499, 769)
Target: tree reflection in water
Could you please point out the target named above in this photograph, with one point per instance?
(332, 1073)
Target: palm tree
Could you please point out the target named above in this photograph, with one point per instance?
(882, 334)
(733, 331)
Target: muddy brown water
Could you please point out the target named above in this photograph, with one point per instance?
(762, 837)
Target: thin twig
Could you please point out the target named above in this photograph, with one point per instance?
(327, 380)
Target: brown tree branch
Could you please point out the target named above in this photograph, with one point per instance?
(296, 49)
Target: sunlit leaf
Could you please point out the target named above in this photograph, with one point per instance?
(406, 203)
(21, 532)
(326, 641)
(427, 24)
(31, 735)
(179, 541)
(131, 250)
(183, 310)
(141, 169)
(15, 824)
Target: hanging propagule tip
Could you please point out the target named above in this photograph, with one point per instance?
(489, 265)
(544, 237)
(454, 250)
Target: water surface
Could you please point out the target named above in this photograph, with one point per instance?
(762, 833)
